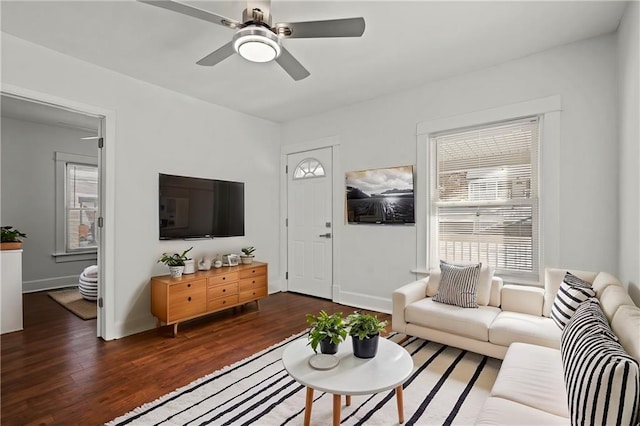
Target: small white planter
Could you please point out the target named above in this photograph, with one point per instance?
(189, 266)
(246, 260)
(176, 271)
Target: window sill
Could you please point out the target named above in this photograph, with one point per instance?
(75, 257)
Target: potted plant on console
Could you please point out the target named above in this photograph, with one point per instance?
(364, 330)
(326, 330)
(11, 239)
(175, 262)
(247, 257)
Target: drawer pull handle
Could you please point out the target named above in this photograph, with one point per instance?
(253, 282)
(254, 293)
(224, 290)
(224, 301)
(189, 299)
(188, 285)
(253, 272)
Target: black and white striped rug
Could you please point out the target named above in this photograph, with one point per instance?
(448, 386)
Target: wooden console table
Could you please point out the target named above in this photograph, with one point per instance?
(175, 300)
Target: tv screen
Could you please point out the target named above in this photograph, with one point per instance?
(200, 208)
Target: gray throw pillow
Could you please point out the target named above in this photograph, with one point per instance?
(458, 285)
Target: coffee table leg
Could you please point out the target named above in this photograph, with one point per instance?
(348, 400)
(400, 404)
(336, 410)
(307, 406)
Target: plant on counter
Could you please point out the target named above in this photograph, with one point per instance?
(175, 262)
(326, 330)
(11, 235)
(11, 238)
(247, 257)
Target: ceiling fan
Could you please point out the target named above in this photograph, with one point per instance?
(257, 41)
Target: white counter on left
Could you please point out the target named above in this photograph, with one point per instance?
(10, 290)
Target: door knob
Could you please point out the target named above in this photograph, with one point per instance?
(327, 235)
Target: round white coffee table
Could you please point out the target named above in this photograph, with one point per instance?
(389, 369)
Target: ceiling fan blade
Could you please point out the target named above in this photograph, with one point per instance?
(349, 27)
(292, 66)
(194, 12)
(218, 55)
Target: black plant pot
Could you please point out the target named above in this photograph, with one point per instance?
(328, 347)
(367, 347)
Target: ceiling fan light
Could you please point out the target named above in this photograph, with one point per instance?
(257, 44)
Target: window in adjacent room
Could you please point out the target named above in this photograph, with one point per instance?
(76, 206)
(484, 196)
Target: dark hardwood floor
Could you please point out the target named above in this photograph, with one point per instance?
(56, 371)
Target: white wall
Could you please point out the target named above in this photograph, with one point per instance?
(629, 111)
(28, 192)
(382, 132)
(159, 131)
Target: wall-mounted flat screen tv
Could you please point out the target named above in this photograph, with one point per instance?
(193, 207)
(380, 196)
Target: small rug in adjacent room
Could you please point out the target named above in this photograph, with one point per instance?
(447, 386)
(72, 300)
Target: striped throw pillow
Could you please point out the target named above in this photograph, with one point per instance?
(602, 380)
(572, 292)
(458, 285)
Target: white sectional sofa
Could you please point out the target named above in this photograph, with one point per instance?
(514, 323)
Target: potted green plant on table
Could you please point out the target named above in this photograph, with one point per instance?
(175, 262)
(11, 238)
(364, 330)
(247, 256)
(328, 331)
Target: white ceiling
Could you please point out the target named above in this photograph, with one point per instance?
(405, 44)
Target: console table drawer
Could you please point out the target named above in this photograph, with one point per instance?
(187, 303)
(222, 302)
(186, 286)
(248, 295)
(253, 271)
(255, 282)
(221, 279)
(215, 291)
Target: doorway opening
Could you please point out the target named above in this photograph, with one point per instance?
(52, 189)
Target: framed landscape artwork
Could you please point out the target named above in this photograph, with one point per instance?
(380, 196)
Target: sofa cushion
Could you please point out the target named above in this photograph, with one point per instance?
(611, 298)
(572, 292)
(602, 380)
(458, 285)
(510, 327)
(626, 326)
(532, 375)
(604, 280)
(472, 323)
(485, 286)
(500, 411)
(523, 299)
(552, 279)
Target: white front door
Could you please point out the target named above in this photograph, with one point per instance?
(309, 207)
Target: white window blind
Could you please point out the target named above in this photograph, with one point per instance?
(485, 197)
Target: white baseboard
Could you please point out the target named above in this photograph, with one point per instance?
(364, 301)
(49, 283)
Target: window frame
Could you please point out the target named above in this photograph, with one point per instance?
(533, 202)
(549, 111)
(61, 253)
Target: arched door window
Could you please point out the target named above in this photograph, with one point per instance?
(308, 168)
